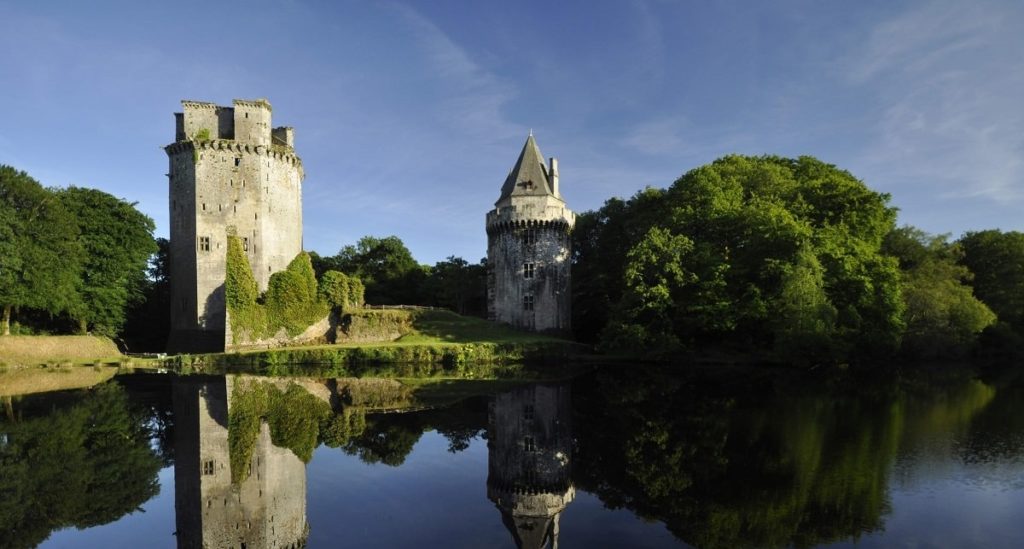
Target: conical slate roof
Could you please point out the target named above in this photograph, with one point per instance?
(530, 168)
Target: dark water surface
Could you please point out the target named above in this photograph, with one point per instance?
(616, 457)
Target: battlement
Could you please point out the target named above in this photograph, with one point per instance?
(246, 121)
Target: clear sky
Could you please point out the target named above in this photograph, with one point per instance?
(409, 115)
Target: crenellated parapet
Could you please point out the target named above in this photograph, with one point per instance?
(277, 152)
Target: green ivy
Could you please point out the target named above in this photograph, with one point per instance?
(292, 300)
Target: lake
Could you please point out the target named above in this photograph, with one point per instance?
(611, 456)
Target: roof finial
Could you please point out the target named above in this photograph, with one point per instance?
(531, 132)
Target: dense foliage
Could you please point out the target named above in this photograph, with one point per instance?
(118, 242)
(292, 302)
(73, 254)
(942, 316)
(747, 252)
(40, 254)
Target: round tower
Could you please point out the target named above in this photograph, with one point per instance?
(230, 173)
(528, 247)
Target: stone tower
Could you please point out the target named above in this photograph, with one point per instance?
(230, 173)
(529, 459)
(266, 510)
(528, 247)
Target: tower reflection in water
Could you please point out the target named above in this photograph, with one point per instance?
(529, 460)
(267, 509)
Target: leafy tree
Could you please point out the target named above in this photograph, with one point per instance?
(386, 268)
(118, 241)
(997, 260)
(758, 232)
(40, 255)
(457, 285)
(942, 316)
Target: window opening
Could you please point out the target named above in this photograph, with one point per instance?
(528, 302)
(528, 270)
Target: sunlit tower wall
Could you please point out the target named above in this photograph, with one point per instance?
(230, 173)
(529, 460)
(529, 248)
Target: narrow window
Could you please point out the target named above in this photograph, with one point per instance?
(529, 445)
(528, 302)
(204, 206)
(245, 243)
(527, 270)
(204, 243)
(208, 467)
(530, 237)
(237, 161)
(528, 412)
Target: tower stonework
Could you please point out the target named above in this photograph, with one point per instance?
(231, 173)
(528, 247)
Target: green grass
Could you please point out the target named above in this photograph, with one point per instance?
(451, 342)
(448, 327)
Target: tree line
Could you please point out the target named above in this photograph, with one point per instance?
(71, 259)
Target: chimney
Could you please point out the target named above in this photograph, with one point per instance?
(553, 170)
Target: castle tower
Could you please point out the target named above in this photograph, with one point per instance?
(528, 247)
(230, 173)
(267, 509)
(529, 453)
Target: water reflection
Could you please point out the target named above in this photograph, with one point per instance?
(719, 458)
(529, 461)
(267, 508)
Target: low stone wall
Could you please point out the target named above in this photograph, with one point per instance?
(320, 333)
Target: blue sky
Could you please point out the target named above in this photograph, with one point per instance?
(409, 115)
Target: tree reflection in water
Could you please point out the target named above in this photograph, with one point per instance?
(731, 463)
(78, 459)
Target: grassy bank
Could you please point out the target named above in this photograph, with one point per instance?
(54, 350)
(426, 338)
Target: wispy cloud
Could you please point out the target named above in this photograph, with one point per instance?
(948, 81)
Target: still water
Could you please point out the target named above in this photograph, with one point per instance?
(615, 457)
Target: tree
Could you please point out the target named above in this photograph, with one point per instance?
(40, 255)
(118, 242)
(386, 268)
(457, 285)
(997, 261)
(942, 316)
(759, 231)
